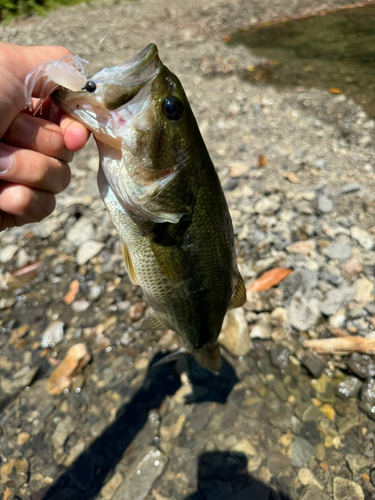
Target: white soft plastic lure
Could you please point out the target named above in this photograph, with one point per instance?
(68, 73)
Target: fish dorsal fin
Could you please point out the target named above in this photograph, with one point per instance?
(209, 357)
(172, 259)
(129, 265)
(239, 296)
(151, 322)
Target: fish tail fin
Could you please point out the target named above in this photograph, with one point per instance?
(209, 357)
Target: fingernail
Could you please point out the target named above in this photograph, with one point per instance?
(23, 131)
(6, 161)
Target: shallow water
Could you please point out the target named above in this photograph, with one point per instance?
(331, 50)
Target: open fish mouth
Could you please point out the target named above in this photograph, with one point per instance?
(114, 97)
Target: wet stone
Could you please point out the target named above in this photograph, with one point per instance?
(314, 365)
(88, 250)
(324, 204)
(53, 334)
(63, 430)
(14, 473)
(139, 479)
(312, 493)
(367, 398)
(280, 357)
(349, 387)
(234, 335)
(7, 253)
(334, 299)
(277, 463)
(310, 432)
(358, 462)
(300, 451)
(361, 365)
(343, 489)
(21, 379)
(81, 231)
(307, 477)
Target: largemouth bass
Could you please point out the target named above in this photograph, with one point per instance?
(164, 197)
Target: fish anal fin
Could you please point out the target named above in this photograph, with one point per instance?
(209, 357)
(129, 265)
(151, 322)
(172, 259)
(239, 296)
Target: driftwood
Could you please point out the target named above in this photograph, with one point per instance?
(342, 345)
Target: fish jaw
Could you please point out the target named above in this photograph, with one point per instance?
(119, 102)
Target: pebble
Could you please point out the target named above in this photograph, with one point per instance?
(334, 299)
(88, 250)
(312, 493)
(280, 357)
(343, 489)
(19, 380)
(46, 227)
(358, 462)
(266, 206)
(300, 451)
(141, 476)
(262, 329)
(349, 387)
(62, 431)
(7, 302)
(362, 236)
(303, 312)
(307, 477)
(350, 187)
(81, 232)
(14, 473)
(244, 446)
(79, 306)
(338, 319)
(314, 365)
(22, 438)
(7, 253)
(361, 365)
(324, 204)
(234, 335)
(367, 397)
(364, 289)
(22, 258)
(338, 251)
(76, 358)
(351, 269)
(53, 334)
(109, 489)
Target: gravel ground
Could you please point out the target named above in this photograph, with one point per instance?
(84, 413)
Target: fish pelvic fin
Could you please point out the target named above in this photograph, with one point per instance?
(209, 357)
(239, 297)
(172, 356)
(151, 322)
(129, 265)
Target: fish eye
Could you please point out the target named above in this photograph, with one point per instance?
(90, 86)
(172, 108)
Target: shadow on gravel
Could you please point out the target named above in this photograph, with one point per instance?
(86, 476)
(223, 476)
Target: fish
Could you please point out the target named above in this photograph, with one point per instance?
(164, 197)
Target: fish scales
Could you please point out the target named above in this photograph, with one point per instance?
(164, 197)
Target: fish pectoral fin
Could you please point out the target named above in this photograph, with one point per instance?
(172, 259)
(239, 297)
(129, 265)
(209, 357)
(151, 322)
(172, 356)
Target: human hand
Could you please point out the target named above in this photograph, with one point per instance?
(34, 150)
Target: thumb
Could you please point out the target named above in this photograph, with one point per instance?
(16, 62)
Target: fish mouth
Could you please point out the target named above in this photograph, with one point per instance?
(122, 92)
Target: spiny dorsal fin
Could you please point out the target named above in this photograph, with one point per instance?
(129, 265)
(172, 259)
(239, 296)
(151, 322)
